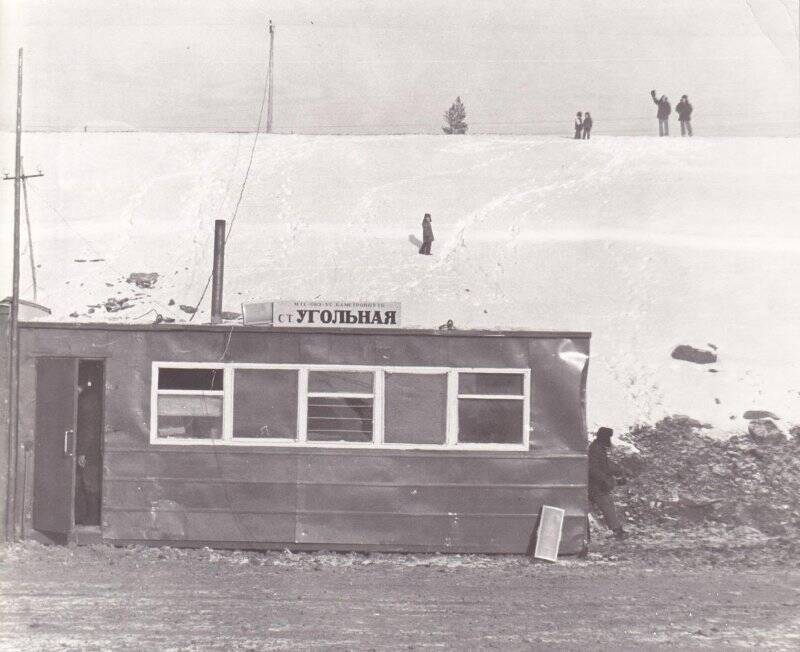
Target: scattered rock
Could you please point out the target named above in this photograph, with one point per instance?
(190, 309)
(759, 414)
(143, 279)
(73, 314)
(171, 302)
(691, 354)
(80, 260)
(113, 304)
(764, 430)
(230, 316)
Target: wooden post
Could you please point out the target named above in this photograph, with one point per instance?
(9, 522)
(13, 371)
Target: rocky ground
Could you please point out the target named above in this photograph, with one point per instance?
(682, 484)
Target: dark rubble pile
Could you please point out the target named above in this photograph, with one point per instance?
(681, 479)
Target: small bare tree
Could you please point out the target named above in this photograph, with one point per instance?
(455, 118)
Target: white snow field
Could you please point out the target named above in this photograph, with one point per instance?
(649, 243)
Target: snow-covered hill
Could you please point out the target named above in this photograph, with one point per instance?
(649, 243)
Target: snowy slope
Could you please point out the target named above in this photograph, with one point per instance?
(648, 243)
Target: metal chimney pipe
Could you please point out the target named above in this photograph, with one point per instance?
(216, 275)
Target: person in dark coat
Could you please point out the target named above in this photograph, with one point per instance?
(684, 111)
(88, 472)
(602, 480)
(427, 235)
(664, 111)
(578, 125)
(587, 125)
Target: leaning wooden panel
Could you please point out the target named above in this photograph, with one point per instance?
(548, 533)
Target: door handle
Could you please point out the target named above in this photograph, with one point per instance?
(67, 450)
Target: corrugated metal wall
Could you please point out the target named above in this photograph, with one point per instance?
(329, 498)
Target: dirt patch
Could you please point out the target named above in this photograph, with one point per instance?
(136, 598)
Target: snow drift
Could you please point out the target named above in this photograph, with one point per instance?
(649, 243)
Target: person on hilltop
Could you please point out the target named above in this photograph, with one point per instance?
(427, 235)
(578, 125)
(684, 110)
(587, 125)
(602, 480)
(664, 111)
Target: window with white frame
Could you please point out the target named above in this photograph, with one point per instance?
(490, 408)
(340, 405)
(265, 404)
(189, 403)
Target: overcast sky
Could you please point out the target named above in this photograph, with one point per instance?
(394, 66)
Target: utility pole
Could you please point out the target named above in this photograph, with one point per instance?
(13, 375)
(269, 77)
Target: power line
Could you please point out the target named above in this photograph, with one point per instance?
(267, 79)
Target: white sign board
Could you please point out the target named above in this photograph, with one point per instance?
(548, 534)
(326, 314)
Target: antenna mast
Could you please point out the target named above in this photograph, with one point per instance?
(269, 77)
(13, 371)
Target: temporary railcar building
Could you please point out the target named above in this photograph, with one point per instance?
(262, 437)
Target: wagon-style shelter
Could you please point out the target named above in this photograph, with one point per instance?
(305, 438)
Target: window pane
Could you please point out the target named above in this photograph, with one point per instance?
(340, 381)
(489, 421)
(339, 419)
(416, 408)
(510, 384)
(265, 403)
(199, 379)
(198, 417)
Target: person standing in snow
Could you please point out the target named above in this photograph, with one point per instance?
(602, 481)
(578, 125)
(684, 111)
(427, 235)
(664, 110)
(587, 125)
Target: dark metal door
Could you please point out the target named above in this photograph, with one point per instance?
(54, 448)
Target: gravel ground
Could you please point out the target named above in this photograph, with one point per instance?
(638, 594)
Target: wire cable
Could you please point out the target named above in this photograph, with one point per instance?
(244, 184)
